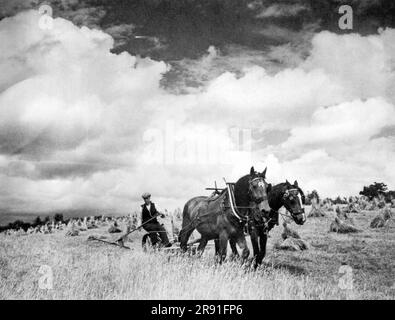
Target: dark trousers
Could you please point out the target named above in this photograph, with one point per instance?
(156, 227)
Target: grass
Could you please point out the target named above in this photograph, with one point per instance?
(93, 270)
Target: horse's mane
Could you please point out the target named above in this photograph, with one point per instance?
(241, 191)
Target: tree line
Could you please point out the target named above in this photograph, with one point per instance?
(19, 224)
(375, 190)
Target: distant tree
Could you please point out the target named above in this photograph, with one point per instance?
(58, 217)
(374, 190)
(18, 224)
(37, 221)
(339, 200)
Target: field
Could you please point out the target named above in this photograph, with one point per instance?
(92, 270)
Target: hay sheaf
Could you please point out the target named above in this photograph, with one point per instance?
(340, 226)
(351, 208)
(289, 233)
(114, 229)
(72, 230)
(344, 215)
(95, 237)
(316, 210)
(382, 219)
(72, 233)
(291, 240)
(316, 213)
(292, 244)
(92, 226)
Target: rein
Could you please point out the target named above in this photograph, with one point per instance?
(232, 204)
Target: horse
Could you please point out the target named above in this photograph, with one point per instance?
(285, 194)
(223, 217)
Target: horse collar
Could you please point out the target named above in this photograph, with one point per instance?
(232, 203)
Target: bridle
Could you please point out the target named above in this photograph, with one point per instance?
(234, 208)
(295, 192)
(261, 183)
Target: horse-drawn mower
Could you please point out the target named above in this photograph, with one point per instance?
(152, 240)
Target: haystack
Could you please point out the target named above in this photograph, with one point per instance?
(329, 207)
(351, 208)
(363, 204)
(344, 215)
(382, 219)
(340, 226)
(381, 204)
(291, 240)
(316, 210)
(72, 230)
(114, 228)
(92, 225)
(292, 244)
(95, 237)
(289, 233)
(46, 229)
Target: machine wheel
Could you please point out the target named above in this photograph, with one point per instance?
(147, 242)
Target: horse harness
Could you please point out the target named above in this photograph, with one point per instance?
(234, 210)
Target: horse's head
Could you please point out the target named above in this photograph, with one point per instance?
(258, 189)
(294, 201)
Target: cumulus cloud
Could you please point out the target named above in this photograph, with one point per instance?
(347, 123)
(81, 127)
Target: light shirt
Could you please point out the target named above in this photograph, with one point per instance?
(148, 206)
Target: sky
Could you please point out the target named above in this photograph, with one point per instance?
(112, 99)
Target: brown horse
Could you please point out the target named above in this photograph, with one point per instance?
(224, 216)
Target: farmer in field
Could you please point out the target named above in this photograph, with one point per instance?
(151, 224)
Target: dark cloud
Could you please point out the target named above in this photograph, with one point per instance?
(186, 28)
(60, 170)
(388, 131)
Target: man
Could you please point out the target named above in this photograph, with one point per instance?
(148, 216)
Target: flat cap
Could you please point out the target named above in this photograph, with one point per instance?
(145, 195)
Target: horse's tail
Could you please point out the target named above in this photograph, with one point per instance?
(186, 214)
(186, 221)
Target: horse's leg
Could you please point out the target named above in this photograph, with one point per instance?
(223, 244)
(233, 247)
(184, 236)
(245, 252)
(216, 243)
(254, 241)
(202, 245)
(262, 245)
